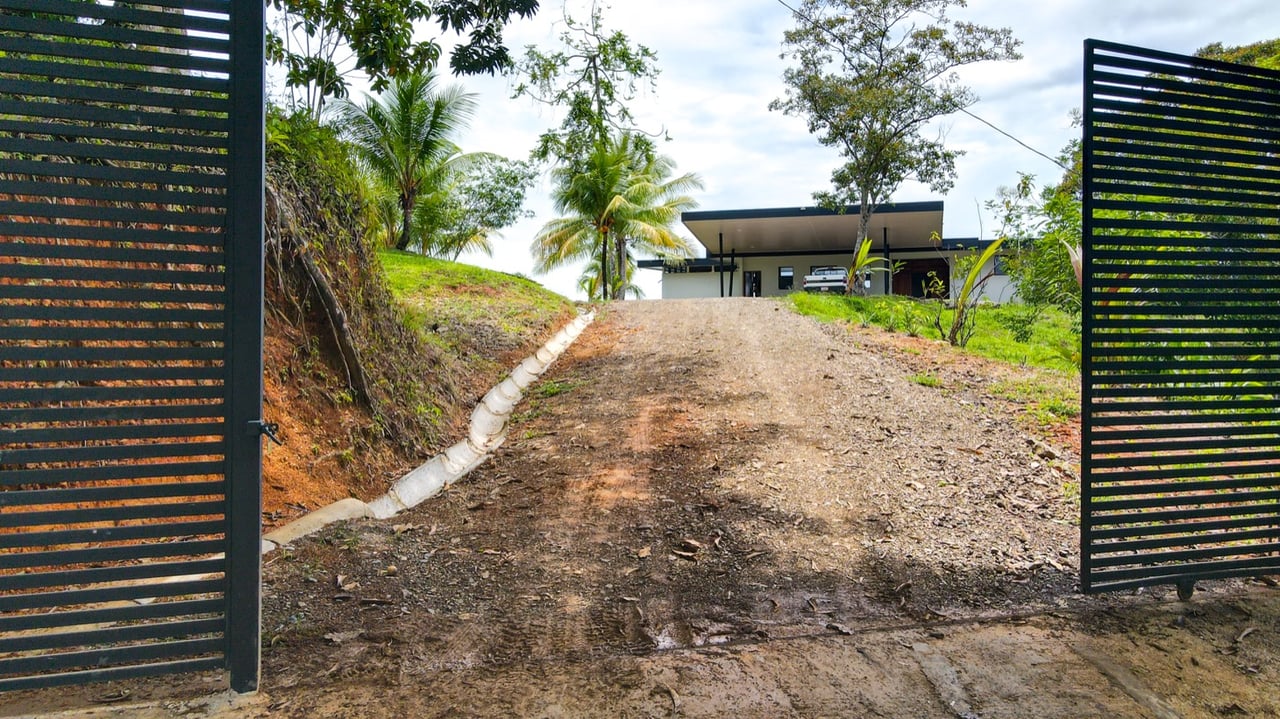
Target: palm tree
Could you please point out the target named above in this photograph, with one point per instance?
(620, 198)
(592, 280)
(405, 137)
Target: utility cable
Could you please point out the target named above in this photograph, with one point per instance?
(984, 121)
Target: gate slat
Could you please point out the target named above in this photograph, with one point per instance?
(114, 635)
(84, 577)
(30, 560)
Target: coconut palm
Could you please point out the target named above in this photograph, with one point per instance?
(620, 199)
(405, 137)
(621, 283)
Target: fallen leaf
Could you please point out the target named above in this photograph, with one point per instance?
(644, 552)
(398, 529)
(116, 696)
(340, 637)
(1245, 633)
(345, 585)
(692, 557)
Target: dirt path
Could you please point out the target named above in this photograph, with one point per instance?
(718, 508)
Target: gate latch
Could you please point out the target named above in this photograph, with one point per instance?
(269, 429)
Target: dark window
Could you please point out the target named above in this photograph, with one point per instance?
(786, 278)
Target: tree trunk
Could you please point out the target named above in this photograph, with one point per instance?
(604, 265)
(621, 268)
(406, 220)
(864, 221)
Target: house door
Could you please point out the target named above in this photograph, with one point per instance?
(913, 278)
(751, 283)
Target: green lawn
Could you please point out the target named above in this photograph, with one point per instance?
(469, 310)
(1052, 344)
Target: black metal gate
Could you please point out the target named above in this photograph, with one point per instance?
(131, 173)
(1180, 468)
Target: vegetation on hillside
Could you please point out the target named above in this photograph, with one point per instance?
(1263, 54)
(373, 357)
(323, 282)
(429, 194)
(483, 319)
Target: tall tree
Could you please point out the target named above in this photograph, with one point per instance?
(319, 42)
(592, 78)
(621, 198)
(465, 212)
(869, 76)
(406, 138)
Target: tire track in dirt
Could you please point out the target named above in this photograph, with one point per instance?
(725, 509)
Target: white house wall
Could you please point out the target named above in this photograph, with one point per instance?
(686, 285)
(997, 290)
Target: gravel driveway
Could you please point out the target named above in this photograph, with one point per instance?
(720, 508)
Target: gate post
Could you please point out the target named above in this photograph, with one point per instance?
(244, 253)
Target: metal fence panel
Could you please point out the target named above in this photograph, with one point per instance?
(130, 338)
(1181, 344)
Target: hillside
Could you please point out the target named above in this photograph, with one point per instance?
(373, 360)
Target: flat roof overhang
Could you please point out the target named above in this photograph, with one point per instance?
(806, 230)
(690, 265)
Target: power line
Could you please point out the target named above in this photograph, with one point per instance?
(984, 121)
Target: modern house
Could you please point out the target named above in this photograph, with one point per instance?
(767, 252)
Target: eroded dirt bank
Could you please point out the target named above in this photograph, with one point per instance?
(718, 508)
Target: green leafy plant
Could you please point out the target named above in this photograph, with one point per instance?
(966, 301)
(321, 44)
(618, 199)
(592, 79)
(553, 387)
(406, 139)
(926, 379)
(864, 264)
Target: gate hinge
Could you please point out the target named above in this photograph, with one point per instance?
(269, 429)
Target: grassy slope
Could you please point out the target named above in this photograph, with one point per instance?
(483, 319)
(485, 322)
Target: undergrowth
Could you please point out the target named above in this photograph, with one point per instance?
(317, 205)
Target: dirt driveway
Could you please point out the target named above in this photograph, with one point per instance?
(719, 508)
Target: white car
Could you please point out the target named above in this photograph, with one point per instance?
(827, 279)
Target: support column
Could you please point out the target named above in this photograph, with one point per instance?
(243, 329)
(720, 263)
(733, 267)
(888, 276)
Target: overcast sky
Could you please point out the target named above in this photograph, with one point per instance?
(720, 67)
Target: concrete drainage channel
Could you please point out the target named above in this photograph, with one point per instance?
(487, 432)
